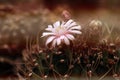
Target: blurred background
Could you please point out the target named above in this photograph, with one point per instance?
(20, 19)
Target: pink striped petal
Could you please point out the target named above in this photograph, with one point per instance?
(50, 26)
(75, 32)
(50, 39)
(67, 42)
(58, 41)
(71, 25)
(54, 42)
(49, 29)
(47, 34)
(68, 22)
(76, 27)
(69, 36)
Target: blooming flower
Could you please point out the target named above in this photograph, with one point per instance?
(61, 32)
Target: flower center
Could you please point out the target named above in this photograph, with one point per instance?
(60, 31)
(58, 28)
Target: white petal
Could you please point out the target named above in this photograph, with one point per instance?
(50, 26)
(56, 24)
(71, 25)
(67, 42)
(49, 29)
(47, 34)
(68, 22)
(50, 39)
(76, 27)
(54, 42)
(62, 37)
(69, 36)
(58, 41)
(75, 31)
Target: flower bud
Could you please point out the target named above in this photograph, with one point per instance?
(95, 24)
(30, 74)
(65, 76)
(62, 60)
